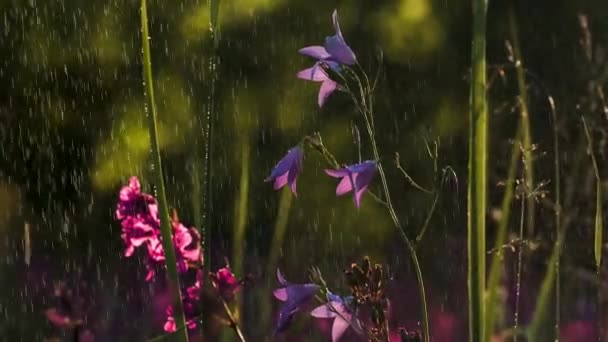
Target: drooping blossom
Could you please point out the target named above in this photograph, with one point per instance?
(355, 178)
(287, 170)
(334, 52)
(335, 48)
(293, 296)
(337, 309)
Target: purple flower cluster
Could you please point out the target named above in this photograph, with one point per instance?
(332, 56)
(355, 178)
(138, 215)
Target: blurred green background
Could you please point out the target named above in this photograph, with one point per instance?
(72, 130)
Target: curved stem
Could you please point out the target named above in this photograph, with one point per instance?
(157, 169)
(408, 242)
(233, 322)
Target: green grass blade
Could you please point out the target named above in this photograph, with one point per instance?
(526, 138)
(598, 200)
(477, 184)
(501, 237)
(157, 169)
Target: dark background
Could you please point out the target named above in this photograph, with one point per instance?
(72, 130)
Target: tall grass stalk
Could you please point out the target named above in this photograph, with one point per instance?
(599, 226)
(212, 65)
(477, 180)
(526, 140)
(501, 237)
(241, 211)
(157, 169)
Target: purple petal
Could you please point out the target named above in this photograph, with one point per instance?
(323, 311)
(284, 164)
(339, 327)
(365, 166)
(334, 19)
(339, 173)
(344, 187)
(327, 87)
(315, 74)
(340, 52)
(316, 51)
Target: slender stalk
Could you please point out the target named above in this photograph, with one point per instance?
(537, 328)
(212, 65)
(501, 236)
(558, 220)
(157, 169)
(233, 322)
(525, 123)
(240, 217)
(519, 262)
(599, 224)
(478, 145)
(406, 240)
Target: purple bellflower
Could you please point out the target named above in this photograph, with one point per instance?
(287, 170)
(293, 296)
(337, 308)
(334, 52)
(335, 48)
(355, 178)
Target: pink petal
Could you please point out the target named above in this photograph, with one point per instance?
(323, 311)
(339, 327)
(280, 294)
(358, 196)
(337, 173)
(170, 325)
(315, 74)
(280, 181)
(316, 51)
(345, 186)
(327, 88)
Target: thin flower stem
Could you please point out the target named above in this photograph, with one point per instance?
(233, 322)
(428, 218)
(558, 211)
(408, 242)
(410, 179)
(157, 169)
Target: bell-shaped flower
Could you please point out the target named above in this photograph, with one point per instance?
(336, 308)
(335, 48)
(293, 296)
(287, 170)
(355, 178)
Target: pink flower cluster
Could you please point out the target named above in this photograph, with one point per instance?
(138, 215)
